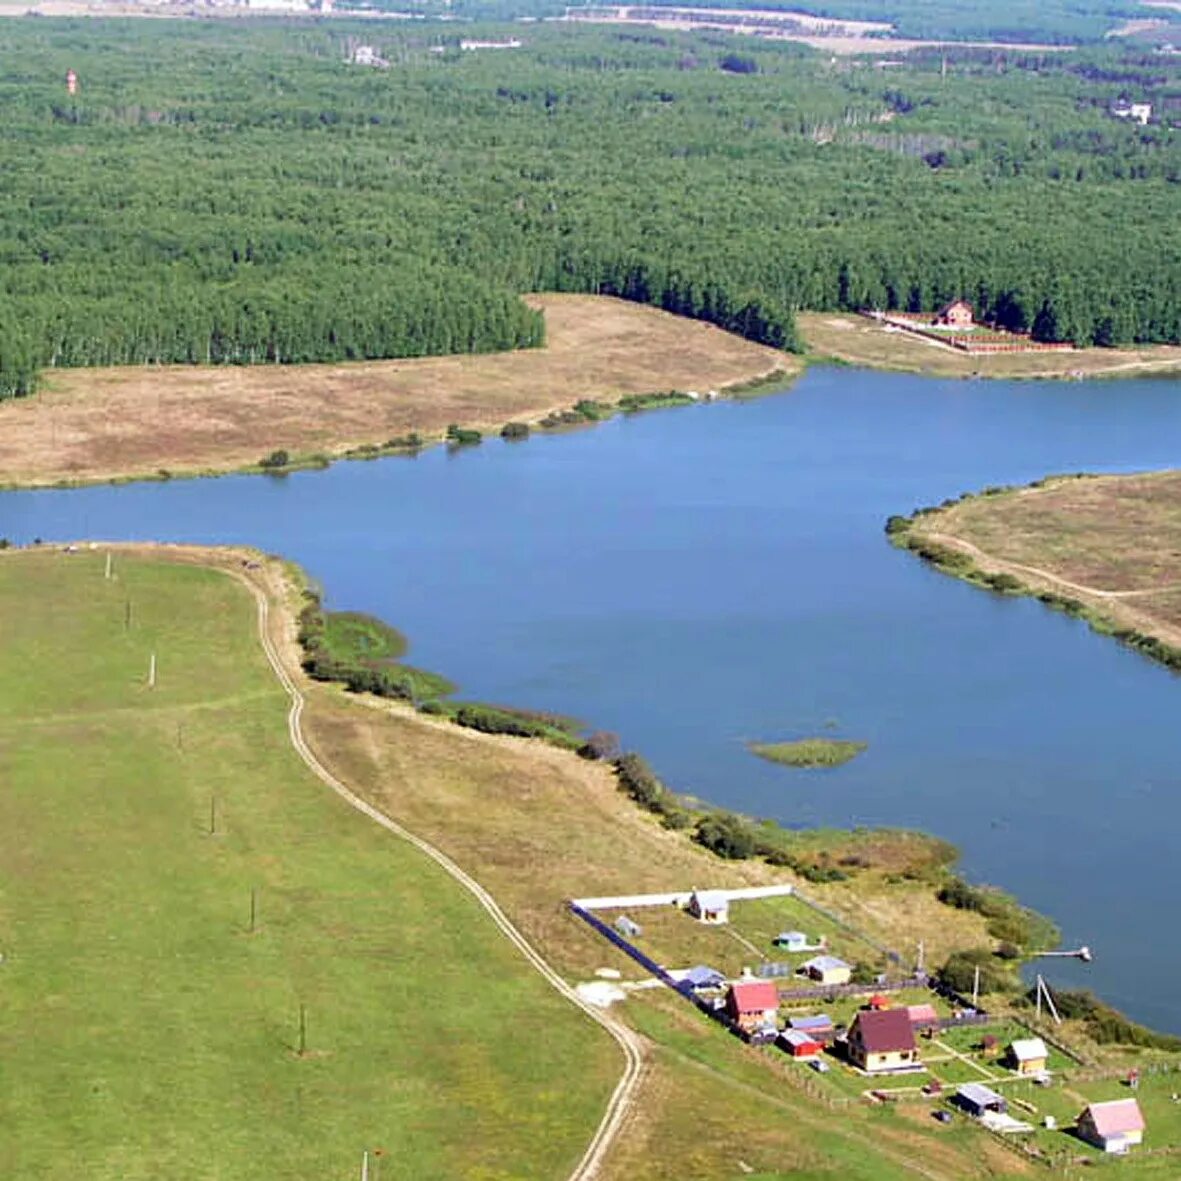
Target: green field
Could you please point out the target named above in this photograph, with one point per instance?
(145, 1030)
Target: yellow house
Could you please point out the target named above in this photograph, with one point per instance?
(1028, 1055)
(827, 969)
(882, 1040)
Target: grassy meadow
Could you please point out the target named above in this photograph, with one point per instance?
(145, 1029)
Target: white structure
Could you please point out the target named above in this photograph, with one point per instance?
(710, 906)
(827, 969)
(1114, 1126)
(792, 941)
(1136, 112)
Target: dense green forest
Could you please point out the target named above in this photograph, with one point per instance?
(241, 192)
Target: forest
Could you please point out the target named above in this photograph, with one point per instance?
(243, 192)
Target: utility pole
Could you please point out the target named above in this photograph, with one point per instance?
(108, 573)
(365, 1165)
(919, 959)
(303, 1041)
(152, 672)
(975, 986)
(254, 927)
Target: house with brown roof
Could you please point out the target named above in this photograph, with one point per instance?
(957, 314)
(1114, 1126)
(753, 1004)
(882, 1040)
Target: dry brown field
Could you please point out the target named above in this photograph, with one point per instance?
(1112, 542)
(856, 340)
(100, 424)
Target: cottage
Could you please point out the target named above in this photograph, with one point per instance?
(978, 1100)
(710, 906)
(882, 1040)
(799, 1044)
(923, 1016)
(819, 1027)
(753, 1004)
(1114, 1126)
(827, 969)
(703, 976)
(1028, 1055)
(791, 940)
(957, 314)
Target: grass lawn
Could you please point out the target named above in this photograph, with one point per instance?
(145, 1031)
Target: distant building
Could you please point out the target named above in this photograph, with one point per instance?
(922, 1016)
(791, 941)
(978, 1100)
(710, 906)
(827, 969)
(71, 82)
(1134, 112)
(753, 1004)
(703, 976)
(1028, 1055)
(628, 927)
(957, 314)
(819, 1027)
(882, 1040)
(1114, 1126)
(367, 55)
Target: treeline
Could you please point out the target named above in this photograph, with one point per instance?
(241, 193)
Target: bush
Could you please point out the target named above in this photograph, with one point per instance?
(1106, 1025)
(459, 436)
(276, 459)
(960, 971)
(897, 524)
(514, 431)
(602, 744)
(726, 834)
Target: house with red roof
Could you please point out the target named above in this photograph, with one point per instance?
(753, 1004)
(1114, 1126)
(882, 1040)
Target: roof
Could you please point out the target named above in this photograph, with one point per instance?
(883, 1030)
(711, 899)
(824, 963)
(754, 996)
(919, 1014)
(954, 303)
(818, 1024)
(1029, 1049)
(1116, 1117)
(797, 1037)
(878, 1001)
(703, 975)
(979, 1095)
(790, 936)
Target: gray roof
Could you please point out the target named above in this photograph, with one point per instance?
(979, 1094)
(822, 963)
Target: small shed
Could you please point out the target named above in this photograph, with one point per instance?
(1114, 1126)
(881, 1041)
(1028, 1055)
(799, 1044)
(791, 940)
(878, 1001)
(957, 314)
(977, 1099)
(923, 1016)
(710, 906)
(703, 976)
(827, 969)
(819, 1027)
(753, 1004)
(626, 926)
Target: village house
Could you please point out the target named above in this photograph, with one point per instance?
(799, 1044)
(710, 906)
(1028, 1055)
(957, 314)
(753, 1004)
(1114, 1126)
(882, 1040)
(703, 976)
(827, 969)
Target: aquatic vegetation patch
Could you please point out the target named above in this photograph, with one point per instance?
(809, 752)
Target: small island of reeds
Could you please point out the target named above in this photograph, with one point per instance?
(809, 752)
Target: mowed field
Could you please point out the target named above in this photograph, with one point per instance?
(1112, 542)
(855, 340)
(145, 1030)
(101, 424)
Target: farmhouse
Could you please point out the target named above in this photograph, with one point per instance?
(1028, 1055)
(753, 1004)
(791, 940)
(710, 906)
(799, 1044)
(957, 314)
(1114, 1126)
(827, 969)
(978, 1100)
(882, 1040)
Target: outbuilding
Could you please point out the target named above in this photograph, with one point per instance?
(882, 1040)
(628, 927)
(818, 1027)
(753, 1004)
(977, 1100)
(1028, 1055)
(1114, 1126)
(703, 976)
(923, 1016)
(799, 1044)
(710, 906)
(791, 941)
(827, 969)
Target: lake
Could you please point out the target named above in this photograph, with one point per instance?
(699, 577)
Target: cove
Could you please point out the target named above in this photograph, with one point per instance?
(700, 577)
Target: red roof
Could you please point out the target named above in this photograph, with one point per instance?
(885, 1030)
(877, 1001)
(755, 996)
(922, 1014)
(1116, 1117)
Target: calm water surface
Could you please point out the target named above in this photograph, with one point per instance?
(700, 577)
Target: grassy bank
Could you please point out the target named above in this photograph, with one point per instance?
(148, 1025)
(196, 420)
(1104, 549)
(809, 752)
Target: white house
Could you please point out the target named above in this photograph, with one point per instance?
(710, 906)
(791, 941)
(1114, 1126)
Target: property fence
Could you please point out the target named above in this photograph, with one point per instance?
(892, 956)
(977, 341)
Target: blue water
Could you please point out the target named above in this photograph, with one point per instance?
(699, 577)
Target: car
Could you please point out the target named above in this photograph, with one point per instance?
(819, 1065)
